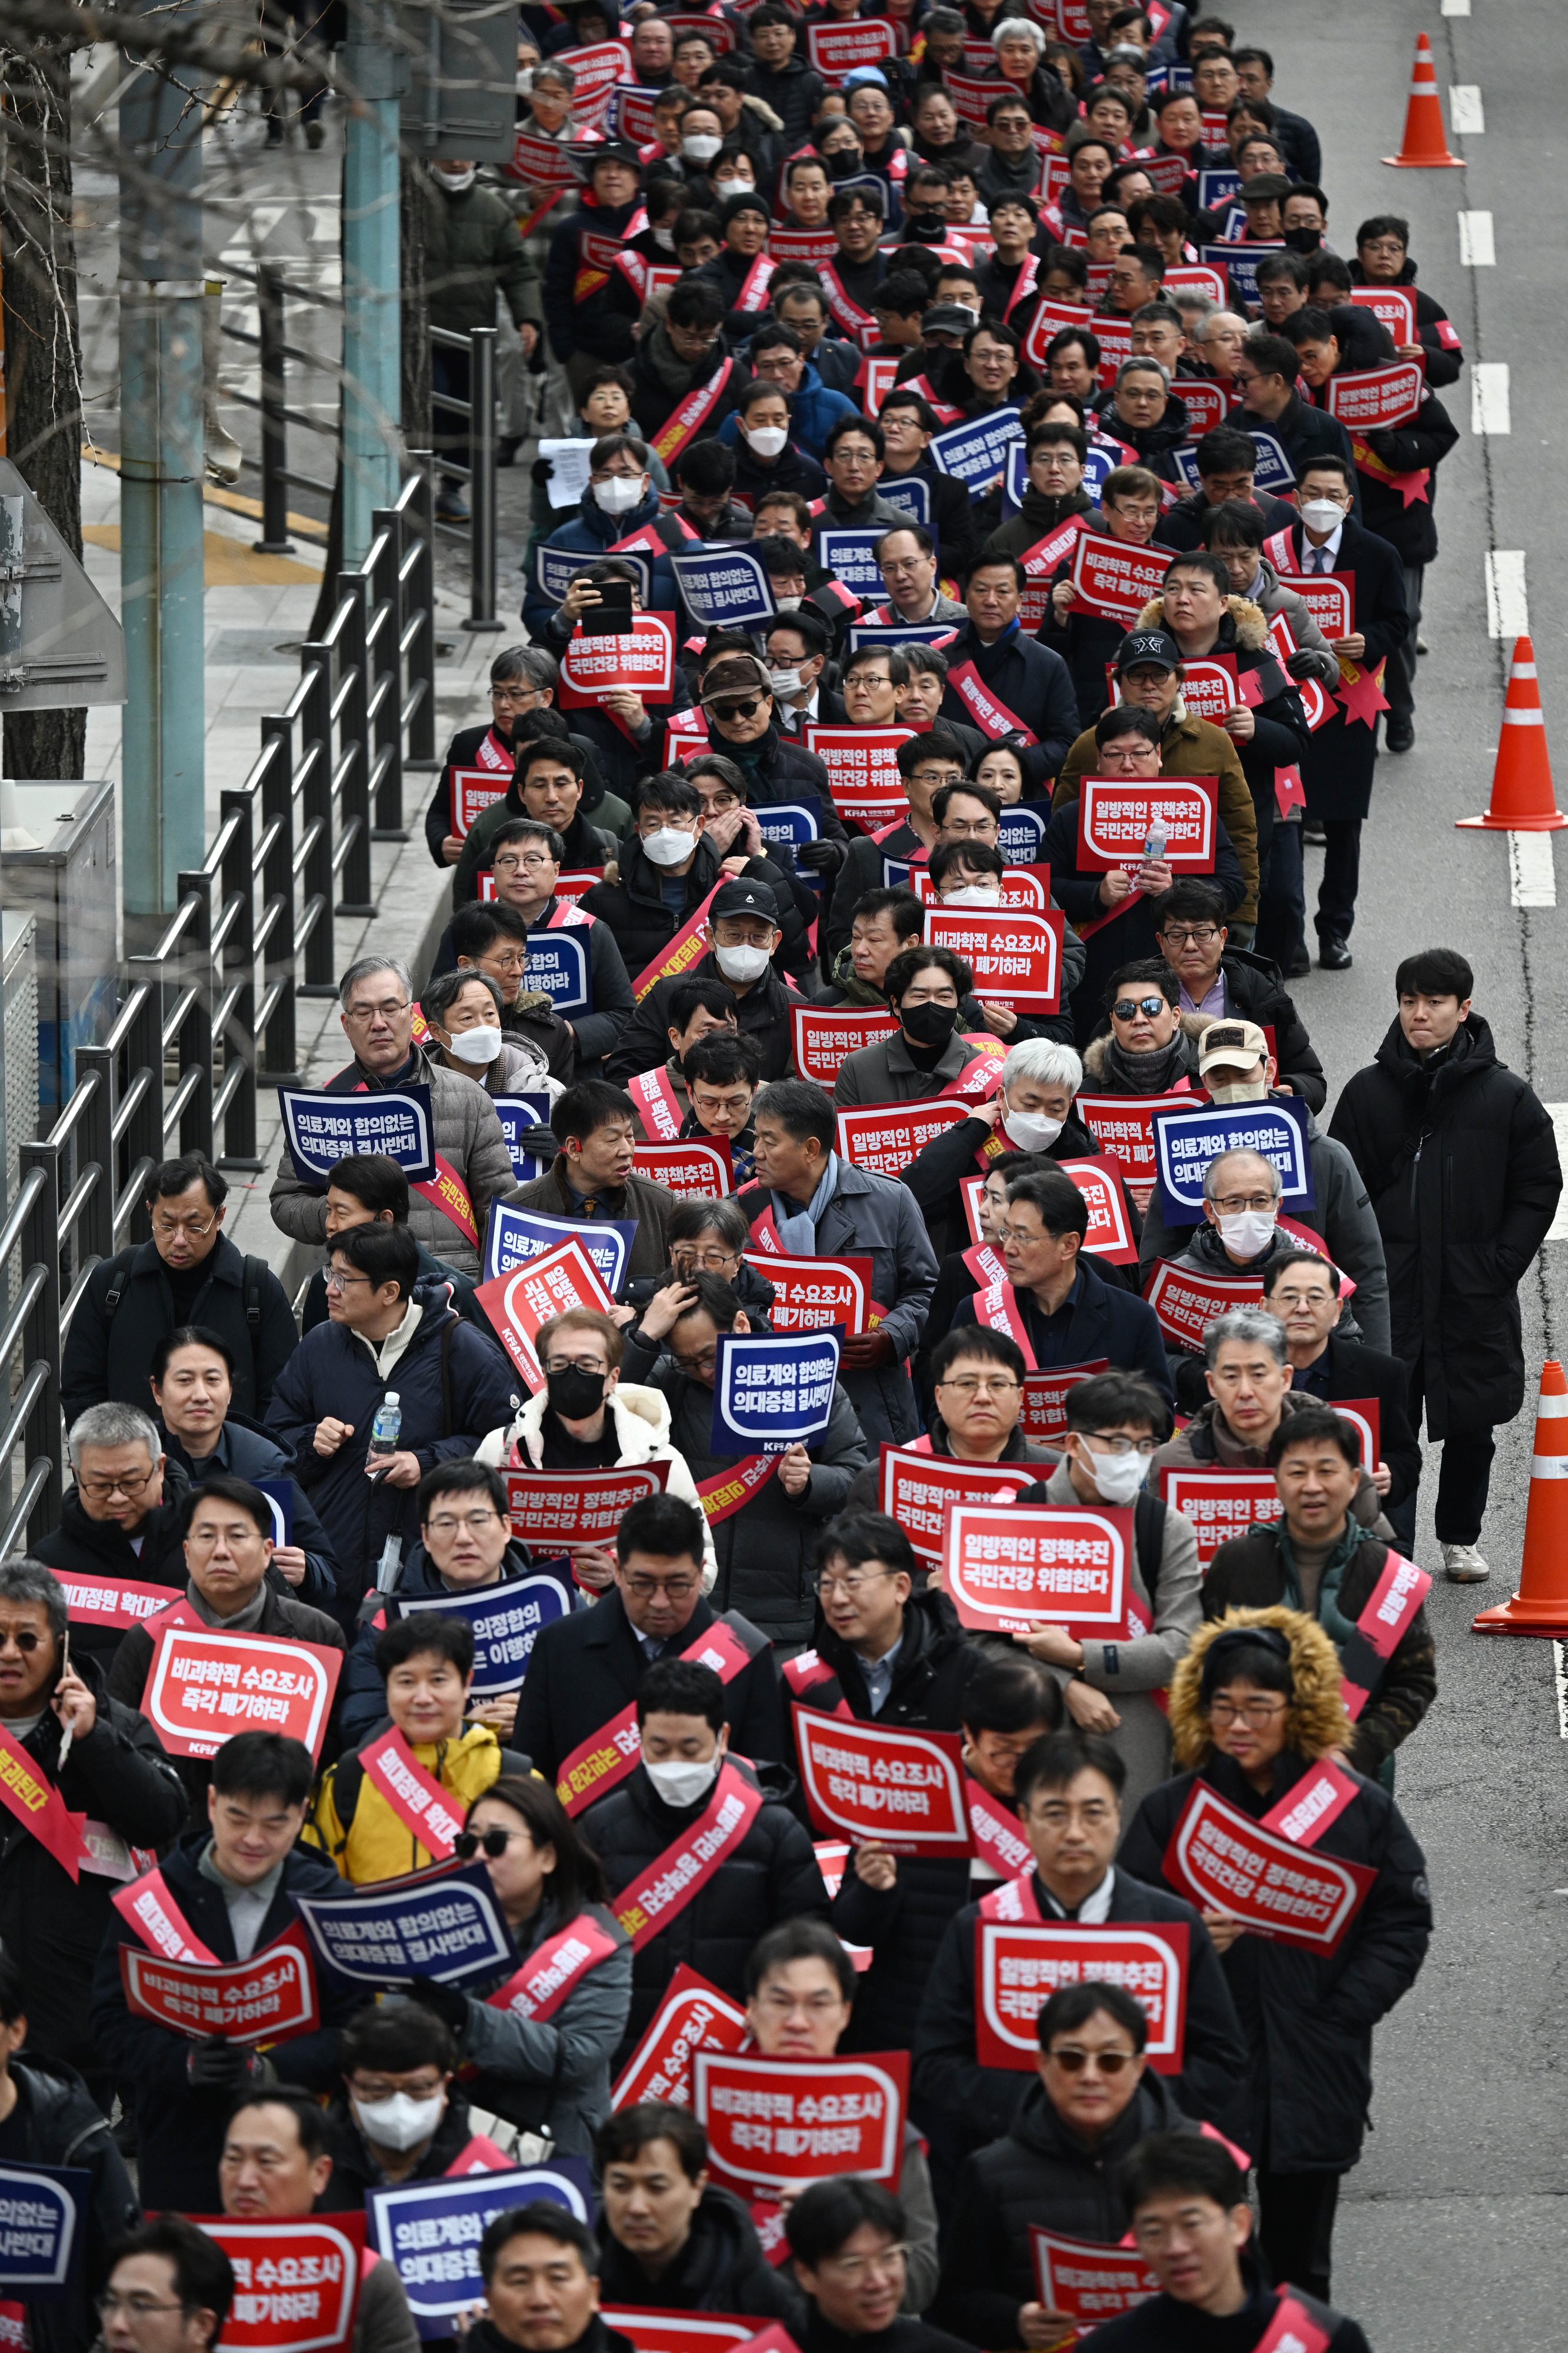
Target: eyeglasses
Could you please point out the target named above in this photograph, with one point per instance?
(1072, 2058)
(962, 825)
(1191, 935)
(695, 1366)
(974, 1384)
(197, 1228)
(1235, 1204)
(479, 1524)
(923, 776)
(1126, 1008)
(709, 1262)
(1258, 1713)
(850, 1580)
(135, 2308)
(493, 1843)
(388, 1011)
(536, 864)
(858, 2267)
(124, 1482)
(577, 1365)
(518, 696)
(1115, 1442)
(336, 1282)
(27, 1641)
(673, 1589)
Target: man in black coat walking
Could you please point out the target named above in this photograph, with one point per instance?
(1396, 471)
(1005, 681)
(665, 870)
(1460, 1158)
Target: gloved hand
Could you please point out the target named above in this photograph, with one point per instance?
(1302, 664)
(543, 469)
(219, 2065)
(448, 2002)
(821, 857)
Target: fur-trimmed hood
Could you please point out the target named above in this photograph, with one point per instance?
(1191, 1025)
(1251, 621)
(764, 112)
(1318, 1719)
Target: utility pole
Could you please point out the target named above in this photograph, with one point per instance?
(376, 75)
(162, 468)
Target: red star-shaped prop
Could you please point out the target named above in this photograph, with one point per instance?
(1411, 487)
(1361, 693)
(1289, 790)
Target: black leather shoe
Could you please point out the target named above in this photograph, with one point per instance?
(1401, 735)
(1300, 964)
(1312, 831)
(1333, 955)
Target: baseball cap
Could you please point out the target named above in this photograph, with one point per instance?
(947, 318)
(1238, 1044)
(743, 899)
(737, 674)
(1156, 646)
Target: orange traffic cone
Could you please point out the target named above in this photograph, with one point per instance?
(1540, 1605)
(1522, 797)
(1426, 147)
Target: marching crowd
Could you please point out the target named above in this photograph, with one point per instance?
(813, 249)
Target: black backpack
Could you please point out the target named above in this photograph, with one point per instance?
(255, 1272)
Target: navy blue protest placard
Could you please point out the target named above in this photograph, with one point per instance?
(323, 1129)
(514, 1236)
(1022, 831)
(1240, 263)
(1015, 479)
(43, 2222)
(555, 568)
(903, 633)
(724, 587)
(774, 1391)
(1274, 472)
(518, 1115)
(911, 493)
(1098, 465)
(279, 1494)
(445, 1925)
(558, 964)
(1187, 1141)
(431, 2230)
(975, 453)
(849, 555)
(785, 825)
(1217, 187)
(1186, 461)
(507, 1620)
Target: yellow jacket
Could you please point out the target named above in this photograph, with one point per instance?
(375, 1844)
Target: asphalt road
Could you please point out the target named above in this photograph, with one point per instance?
(1452, 2230)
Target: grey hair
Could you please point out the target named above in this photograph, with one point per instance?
(447, 986)
(552, 69)
(1239, 1151)
(114, 1425)
(1012, 28)
(361, 968)
(532, 662)
(1127, 367)
(723, 1217)
(29, 1580)
(1253, 1326)
(1218, 311)
(1045, 1061)
(1195, 305)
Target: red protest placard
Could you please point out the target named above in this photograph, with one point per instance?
(1329, 597)
(1018, 1966)
(1209, 687)
(1015, 957)
(1110, 1234)
(822, 1036)
(1060, 1563)
(869, 1781)
(1364, 1416)
(698, 1167)
(1202, 279)
(106, 1602)
(885, 1137)
(1114, 578)
(919, 1490)
(880, 374)
(1088, 2281)
(1167, 171)
(1395, 305)
(1207, 405)
(642, 663)
(693, 2016)
(203, 1687)
(540, 163)
(809, 1293)
(1043, 1418)
(1186, 1301)
(519, 1303)
(812, 245)
(1116, 815)
(1223, 1861)
(1050, 318)
(1369, 399)
(596, 71)
(1114, 337)
(295, 2280)
(773, 2122)
(971, 95)
(862, 770)
(678, 2332)
(836, 50)
(474, 790)
(552, 1509)
(1220, 1503)
(1125, 1126)
(271, 1998)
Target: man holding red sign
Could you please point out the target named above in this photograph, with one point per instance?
(1258, 1723)
(1004, 682)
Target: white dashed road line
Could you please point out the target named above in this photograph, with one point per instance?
(1490, 398)
(1532, 878)
(1466, 112)
(1559, 1669)
(1477, 247)
(1508, 613)
(1454, 8)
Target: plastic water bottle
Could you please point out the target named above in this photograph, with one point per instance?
(385, 1430)
(1154, 846)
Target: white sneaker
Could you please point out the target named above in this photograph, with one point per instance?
(1463, 1565)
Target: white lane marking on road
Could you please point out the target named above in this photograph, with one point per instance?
(1490, 410)
(1477, 248)
(1454, 8)
(1532, 878)
(1508, 613)
(1559, 1669)
(1466, 112)
(1558, 1230)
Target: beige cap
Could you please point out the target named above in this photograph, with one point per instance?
(1238, 1043)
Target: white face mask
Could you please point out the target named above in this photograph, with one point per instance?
(1251, 1231)
(701, 146)
(974, 894)
(767, 440)
(617, 494)
(665, 239)
(785, 681)
(524, 81)
(479, 1046)
(789, 604)
(1236, 1091)
(456, 182)
(1118, 1477)
(400, 2122)
(668, 846)
(725, 189)
(742, 963)
(681, 1784)
(1322, 514)
(1031, 1130)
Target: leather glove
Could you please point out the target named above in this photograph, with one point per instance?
(543, 469)
(821, 857)
(449, 2003)
(1302, 664)
(219, 2065)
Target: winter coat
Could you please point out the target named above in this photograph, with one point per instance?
(631, 904)
(246, 1452)
(583, 846)
(586, 1668)
(460, 1290)
(110, 1357)
(1460, 1158)
(468, 1134)
(972, 2104)
(1255, 992)
(1251, 1572)
(641, 1420)
(1307, 2018)
(1207, 1443)
(793, 470)
(1160, 2324)
(1105, 1321)
(772, 1875)
(661, 380)
(362, 1694)
(813, 411)
(1040, 2171)
(181, 2125)
(647, 1203)
(1341, 754)
(589, 534)
(608, 985)
(934, 1177)
(356, 1829)
(792, 91)
(101, 1548)
(762, 1014)
(1423, 444)
(1156, 443)
(56, 2122)
(1189, 747)
(776, 768)
(1102, 1077)
(872, 1216)
(1181, 526)
(550, 2072)
(1434, 330)
(1279, 736)
(452, 1386)
(472, 252)
(722, 2268)
(1035, 685)
(601, 329)
(1131, 935)
(1272, 598)
(1349, 1371)
(887, 1073)
(117, 1775)
(866, 1494)
(355, 2170)
(767, 1550)
(462, 752)
(1305, 432)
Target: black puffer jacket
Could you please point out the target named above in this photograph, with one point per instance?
(764, 1014)
(722, 2268)
(101, 1548)
(1410, 529)
(1254, 991)
(1279, 736)
(634, 910)
(1460, 1159)
(112, 1355)
(772, 1875)
(1039, 2171)
(58, 2124)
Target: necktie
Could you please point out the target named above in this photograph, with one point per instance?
(1320, 559)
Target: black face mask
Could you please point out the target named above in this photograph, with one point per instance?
(574, 1394)
(931, 225)
(841, 166)
(1303, 240)
(929, 1025)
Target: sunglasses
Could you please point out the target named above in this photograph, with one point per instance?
(467, 1844)
(746, 709)
(1073, 2061)
(1128, 1006)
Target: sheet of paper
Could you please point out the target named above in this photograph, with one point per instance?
(569, 474)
